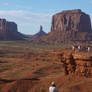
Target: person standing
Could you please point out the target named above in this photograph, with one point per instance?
(53, 87)
(73, 48)
(79, 48)
(88, 49)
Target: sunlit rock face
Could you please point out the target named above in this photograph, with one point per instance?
(71, 20)
(70, 25)
(77, 64)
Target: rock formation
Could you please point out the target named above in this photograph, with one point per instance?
(69, 25)
(77, 64)
(73, 20)
(38, 35)
(9, 31)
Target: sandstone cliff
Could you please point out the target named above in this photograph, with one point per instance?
(79, 64)
(69, 25)
(9, 31)
(72, 20)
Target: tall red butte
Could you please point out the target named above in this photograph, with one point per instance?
(69, 25)
(9, 31)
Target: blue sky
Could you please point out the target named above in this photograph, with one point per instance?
(30, 14)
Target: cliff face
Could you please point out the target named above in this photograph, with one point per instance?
(9, 31)
(70, 25)
(73, 20)
(77, 64)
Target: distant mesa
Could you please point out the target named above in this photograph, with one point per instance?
(69, 25)
(9, 31)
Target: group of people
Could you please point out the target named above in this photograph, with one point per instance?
(53, 87)
(79, 48)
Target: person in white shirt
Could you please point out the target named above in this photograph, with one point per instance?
(53, 87)
(73, 48)
(88, 49)
(79, 48)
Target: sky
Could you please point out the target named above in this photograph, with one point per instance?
(30, 14)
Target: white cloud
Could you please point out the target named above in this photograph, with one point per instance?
(27, 20)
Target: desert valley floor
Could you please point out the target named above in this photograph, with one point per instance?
(28, 67)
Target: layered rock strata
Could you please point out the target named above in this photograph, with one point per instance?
(69, 25)
(78, 64)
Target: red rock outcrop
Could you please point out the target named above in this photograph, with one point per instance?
(70, 20)
(9, 31)
(78, 64)
(39, 34)
(69, 25)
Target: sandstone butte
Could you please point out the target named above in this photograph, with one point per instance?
(39, 34)
(69, 25)
(9, 31)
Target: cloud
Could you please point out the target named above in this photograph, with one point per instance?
(27, 20)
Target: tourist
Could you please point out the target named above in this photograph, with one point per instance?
(73, 48)
(88, 49)
(53, 87)
(79, 48)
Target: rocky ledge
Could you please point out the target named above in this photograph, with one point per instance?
(79, 64)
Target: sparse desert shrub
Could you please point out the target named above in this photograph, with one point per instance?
(42, 90)
(36, 90)
(37, 72)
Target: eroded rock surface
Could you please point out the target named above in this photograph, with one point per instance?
(69, 25)
(78, 64)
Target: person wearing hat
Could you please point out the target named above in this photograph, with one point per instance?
(53, 87)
